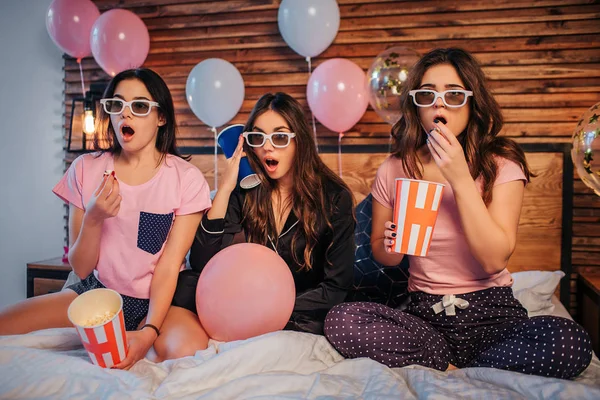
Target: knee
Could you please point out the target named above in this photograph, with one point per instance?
(575, 347)
(347, 323)
(185, 349)
(341, 319)
(571, 347)
(170, 346)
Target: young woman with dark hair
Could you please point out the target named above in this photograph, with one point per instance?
(302, 210)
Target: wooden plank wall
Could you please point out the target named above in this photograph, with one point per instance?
(542, 59)
(540, 225)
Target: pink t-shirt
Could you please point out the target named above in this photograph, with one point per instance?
(449, 267)
(133, 241)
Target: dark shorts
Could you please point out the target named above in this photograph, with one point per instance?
(185, 292)
(134, 309)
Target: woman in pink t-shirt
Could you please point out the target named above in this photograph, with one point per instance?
(131, 227)
(462, 310)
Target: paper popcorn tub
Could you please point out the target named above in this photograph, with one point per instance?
(415, 213)
(98, 317)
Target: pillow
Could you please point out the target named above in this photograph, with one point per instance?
(373, 281)
(534, 290)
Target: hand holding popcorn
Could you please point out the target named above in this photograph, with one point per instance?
(106, 201)
(389, 236)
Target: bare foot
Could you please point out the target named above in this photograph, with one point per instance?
(451, 367)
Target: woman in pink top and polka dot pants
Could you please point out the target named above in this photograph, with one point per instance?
(462, 312)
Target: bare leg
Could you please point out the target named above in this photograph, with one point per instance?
(181, 335)
(41, 312)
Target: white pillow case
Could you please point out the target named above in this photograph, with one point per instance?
(534, 290)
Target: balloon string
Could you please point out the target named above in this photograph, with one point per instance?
(81, 75)
(214, 131)
(340, 136)
(314, 124)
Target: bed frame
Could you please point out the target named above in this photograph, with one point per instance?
(544, 239)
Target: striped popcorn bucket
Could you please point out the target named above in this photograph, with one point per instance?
(98, 318)
(415, 212)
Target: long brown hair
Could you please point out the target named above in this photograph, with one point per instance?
(309, 197)
(480, 140)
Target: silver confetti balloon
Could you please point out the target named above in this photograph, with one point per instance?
(385, 77)
(586, 148)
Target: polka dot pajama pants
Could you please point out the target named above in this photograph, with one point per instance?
(493, 331)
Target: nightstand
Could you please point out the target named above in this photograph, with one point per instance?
(47, 276)
(588, 300)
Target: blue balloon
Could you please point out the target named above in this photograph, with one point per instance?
(215, 91)
(308, 26)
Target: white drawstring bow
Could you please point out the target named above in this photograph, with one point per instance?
(449, 303)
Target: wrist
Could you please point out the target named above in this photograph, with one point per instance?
(92, 221)
(225, 189)
(149, 328)
(458, 185)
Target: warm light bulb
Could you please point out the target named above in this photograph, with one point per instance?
(88, 122)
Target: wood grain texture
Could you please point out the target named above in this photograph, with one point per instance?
(542, 59)
(539, 235)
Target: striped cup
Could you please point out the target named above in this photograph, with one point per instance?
(415, 212)
(98, 317)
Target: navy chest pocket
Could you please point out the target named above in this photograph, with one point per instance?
(153, 230)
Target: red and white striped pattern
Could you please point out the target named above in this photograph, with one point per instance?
(415, 213)
(105, 344)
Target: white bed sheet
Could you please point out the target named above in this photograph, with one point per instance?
(52, 364)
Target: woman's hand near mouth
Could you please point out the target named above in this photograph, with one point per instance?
(448, 154)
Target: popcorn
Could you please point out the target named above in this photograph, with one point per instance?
(99, 319)
(108, 172)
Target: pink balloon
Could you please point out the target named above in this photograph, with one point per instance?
(69, 23)
(245, 290)
(119, 41)
(337, 95)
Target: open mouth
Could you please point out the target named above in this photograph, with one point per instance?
(271, 164)
(127, 132)
(442, 120)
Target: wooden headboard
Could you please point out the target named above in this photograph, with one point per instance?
(545, 229)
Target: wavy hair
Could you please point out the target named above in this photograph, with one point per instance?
(480, 140)
(308, 200)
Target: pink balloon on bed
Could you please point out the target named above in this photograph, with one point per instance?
(245, 290)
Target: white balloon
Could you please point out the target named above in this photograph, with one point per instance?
(308, 26)
(215, 91)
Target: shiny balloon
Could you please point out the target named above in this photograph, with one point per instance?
(215, 91)
(119, 41)
(69, 23)
(245, 290)
(586, 148)
(308, 26)
(337, 95)
(385, 78)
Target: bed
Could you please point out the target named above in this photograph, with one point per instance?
(52, 364)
